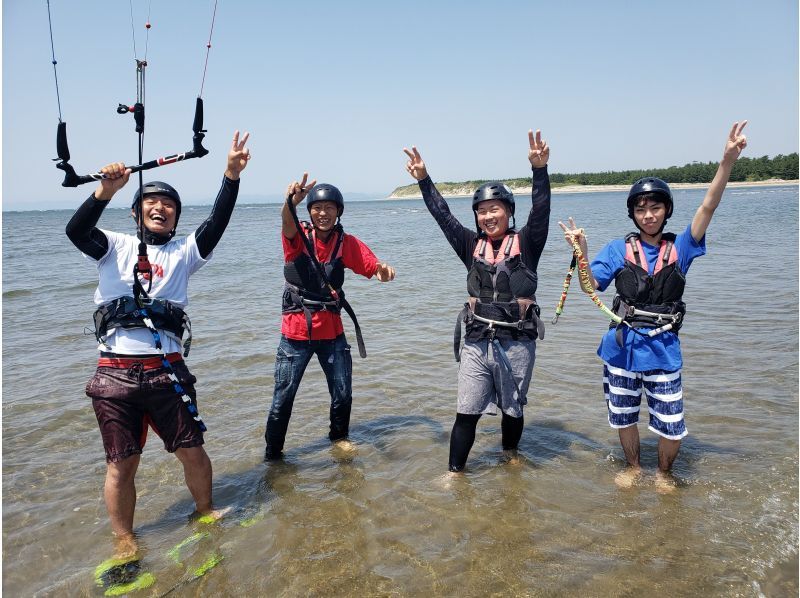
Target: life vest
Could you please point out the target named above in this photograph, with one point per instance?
(647, 300)
(124, 312)
(305, 289)
(502, 294)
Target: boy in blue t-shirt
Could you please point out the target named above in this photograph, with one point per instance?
(643, 353)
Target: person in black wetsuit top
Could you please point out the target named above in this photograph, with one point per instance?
(501, 317)
(132, 387)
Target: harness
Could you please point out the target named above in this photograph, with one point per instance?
(124, 312)
(304, 290)
(502, 296)
(650, 301)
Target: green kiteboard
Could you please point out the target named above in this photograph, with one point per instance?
(120, 576)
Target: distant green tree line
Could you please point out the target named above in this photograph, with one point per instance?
(745, 169)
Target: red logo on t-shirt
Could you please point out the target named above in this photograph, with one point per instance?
(157, 270)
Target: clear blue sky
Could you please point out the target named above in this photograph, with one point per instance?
(338, 88)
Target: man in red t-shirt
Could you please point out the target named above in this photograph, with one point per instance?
(315, 260)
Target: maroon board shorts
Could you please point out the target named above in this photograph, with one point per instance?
(130, 393)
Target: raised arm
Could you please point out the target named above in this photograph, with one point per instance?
(538, 223)
(297, 192)
(734, 145)
(459, 237)
(209, 233)
(82, 228)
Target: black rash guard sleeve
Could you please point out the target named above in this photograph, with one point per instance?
(210, 231)
(533, 235)
(82, 228)
(461, 239)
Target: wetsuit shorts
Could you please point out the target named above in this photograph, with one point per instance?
(664, 392)
(494, 374)
(130, 393)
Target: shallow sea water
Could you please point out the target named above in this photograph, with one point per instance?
(385, 521)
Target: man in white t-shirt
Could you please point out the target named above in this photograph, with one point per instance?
(141, 379)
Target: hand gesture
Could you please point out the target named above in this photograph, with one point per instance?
(572, 233)
(736, 142)
(116, 177)
(298, 191)
(385, 272)
(238, 156)
(539, 152)
(415, 166)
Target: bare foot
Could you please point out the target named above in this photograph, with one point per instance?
(511, 457)
(125, 547)
(345, 448)
(214, 515)
(628, 477)
(665, 483)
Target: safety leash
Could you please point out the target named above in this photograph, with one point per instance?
(142, 313)
(567, 281)
(583, 277)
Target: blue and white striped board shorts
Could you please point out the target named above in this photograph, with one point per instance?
(623, 392)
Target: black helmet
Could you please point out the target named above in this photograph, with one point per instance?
(158, 188)
(649, 185)
(325, 192)
(493, 190)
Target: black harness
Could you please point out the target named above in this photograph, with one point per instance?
(649, 301)
(125, 312)
(502, 298)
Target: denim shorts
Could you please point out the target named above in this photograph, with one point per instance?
(130, 393)
(623, 392)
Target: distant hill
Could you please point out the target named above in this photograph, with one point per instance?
(746, 169)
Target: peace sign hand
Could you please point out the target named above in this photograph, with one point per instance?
(298, 191)
(572, 232)
(415, 166)
(539, 152)
(238, 156)
(736, 142)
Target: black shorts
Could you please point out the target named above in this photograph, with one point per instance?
(130, 393)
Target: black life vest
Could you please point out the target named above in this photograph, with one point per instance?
(124, 312)
(650, 301)
(502, 294)
(305, 287)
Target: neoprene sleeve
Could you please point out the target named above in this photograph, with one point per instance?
(82, 228)
(210, 231)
